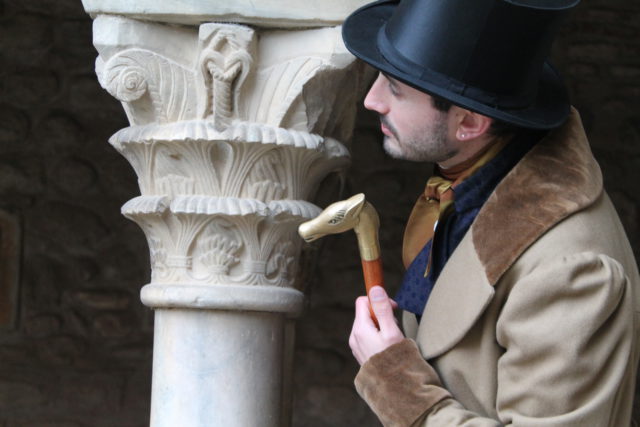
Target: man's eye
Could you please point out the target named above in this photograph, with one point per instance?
(393, 90)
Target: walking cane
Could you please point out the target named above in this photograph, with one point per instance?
(357, 214)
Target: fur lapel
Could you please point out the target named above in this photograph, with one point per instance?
(558, 177)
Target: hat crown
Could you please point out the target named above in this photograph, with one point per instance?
(489, 56)
(496, 46)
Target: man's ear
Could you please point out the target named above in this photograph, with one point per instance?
(471, 125)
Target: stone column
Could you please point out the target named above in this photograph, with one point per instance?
(233, 127)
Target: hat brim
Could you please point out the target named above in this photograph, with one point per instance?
(360, 33)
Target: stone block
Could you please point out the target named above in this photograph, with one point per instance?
(15, 355)
(329, 406)
(62, 222)
(84, 91)
(60, 350)
(30, 87)
(15, 179)
(112, 325)
(71, 35)
(317, 366)
(73, 176)
(19, 396)
(61, 131)
(106, 299)
(43, 325)
(69, 9)
(9, 268)
(274, 13)
(14, 127)
(47, 423)
(14, 38)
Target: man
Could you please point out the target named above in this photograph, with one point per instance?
(521, 293)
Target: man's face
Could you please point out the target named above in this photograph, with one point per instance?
(414, 129)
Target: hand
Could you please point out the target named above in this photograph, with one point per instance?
(366, 339)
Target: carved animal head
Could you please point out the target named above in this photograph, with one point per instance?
(336, 218)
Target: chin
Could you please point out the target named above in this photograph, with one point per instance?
(392, 149)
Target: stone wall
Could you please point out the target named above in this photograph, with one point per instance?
(76, 350)
(79, 351)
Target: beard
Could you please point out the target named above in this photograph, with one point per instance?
(427, 143)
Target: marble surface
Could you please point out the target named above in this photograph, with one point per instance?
(262, 13)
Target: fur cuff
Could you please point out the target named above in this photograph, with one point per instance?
(399, 385)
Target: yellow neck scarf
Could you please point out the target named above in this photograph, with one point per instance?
(436, 201)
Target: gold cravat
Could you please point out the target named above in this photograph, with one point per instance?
(436, 202)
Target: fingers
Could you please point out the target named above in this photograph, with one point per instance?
(355, 349)
(382, 307)
(366, 339)
(362, 311)
(362, 324)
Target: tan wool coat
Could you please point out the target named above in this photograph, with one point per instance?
(534, 319)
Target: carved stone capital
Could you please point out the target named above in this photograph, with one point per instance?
(232, 128)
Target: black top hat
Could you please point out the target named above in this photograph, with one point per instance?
(488, 56)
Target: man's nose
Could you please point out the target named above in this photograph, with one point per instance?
(374, 100)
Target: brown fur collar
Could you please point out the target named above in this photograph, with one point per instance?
(558, 177)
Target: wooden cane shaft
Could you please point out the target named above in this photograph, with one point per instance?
(372, 271)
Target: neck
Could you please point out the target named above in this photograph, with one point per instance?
(469, 154)
(473, 160)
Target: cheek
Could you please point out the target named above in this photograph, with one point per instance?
(401, 121)
(409, 115)
(408, 126)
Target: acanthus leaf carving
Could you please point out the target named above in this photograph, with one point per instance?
(158, 257)
(296, 82)
(277, 87)
(288, 166)
(208, 240)
(173, 185)
(267, 179)
(220, 248)
(281, 259)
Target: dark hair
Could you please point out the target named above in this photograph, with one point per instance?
(440, 103)
(497, 128)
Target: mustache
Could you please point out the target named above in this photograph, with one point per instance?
(388, 125)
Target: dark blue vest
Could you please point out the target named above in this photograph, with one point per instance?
(470, 195)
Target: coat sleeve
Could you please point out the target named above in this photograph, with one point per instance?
(567, 330)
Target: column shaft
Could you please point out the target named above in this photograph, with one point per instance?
(240, 380)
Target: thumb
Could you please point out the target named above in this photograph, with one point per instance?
(381, 305)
